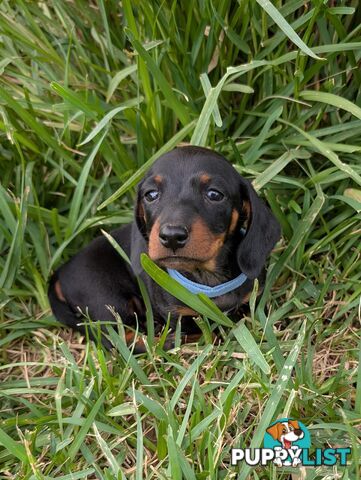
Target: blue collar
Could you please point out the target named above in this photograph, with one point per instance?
(211, 292)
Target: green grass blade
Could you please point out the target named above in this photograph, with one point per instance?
(212, 97)
(332, 99)
(190, 372)
(109, 116)
(75, 100)
(276, 167)
(286, 27)
(320, 146)
(84, 429)
(13, 447)
(174, 469)
(249, 345)
(112, 461)
(180, 292)
(34, 125)
(79, 190)
(13, 258)
(140, 449)
(252, 153)
(171, 99)
(273, 402)
(118, 78)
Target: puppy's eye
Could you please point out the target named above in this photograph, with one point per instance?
(214, 195)
(151, 195)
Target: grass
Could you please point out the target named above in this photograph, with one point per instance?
(91, 93)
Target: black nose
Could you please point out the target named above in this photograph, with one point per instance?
(173, 236)
(298, 432)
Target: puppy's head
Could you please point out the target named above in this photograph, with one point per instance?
(286, 432)
(191, 207)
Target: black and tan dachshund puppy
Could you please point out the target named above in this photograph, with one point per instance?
(197, 218)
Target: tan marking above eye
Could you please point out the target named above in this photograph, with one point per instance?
(158, 179)
(204, 178)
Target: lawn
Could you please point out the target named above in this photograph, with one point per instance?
(93, 92)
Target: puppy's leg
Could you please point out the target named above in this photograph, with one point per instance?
(93, 280)
(66, 314)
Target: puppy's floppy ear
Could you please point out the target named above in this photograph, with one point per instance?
(139, 213)
(139, 235)
(294, 424)
(262, 233)
(274, 431)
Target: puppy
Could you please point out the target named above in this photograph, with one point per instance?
(197, 218)
(286, 433)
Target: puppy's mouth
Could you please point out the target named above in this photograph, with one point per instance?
(180, 262)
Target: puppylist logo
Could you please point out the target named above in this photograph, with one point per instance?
(287, 443)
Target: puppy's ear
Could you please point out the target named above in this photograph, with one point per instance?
(262, 233)
(274, 431)
(294, 424)
(139, 235)
(139, 214)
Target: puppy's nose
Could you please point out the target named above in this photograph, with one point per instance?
(298, 432)
(173, 236)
